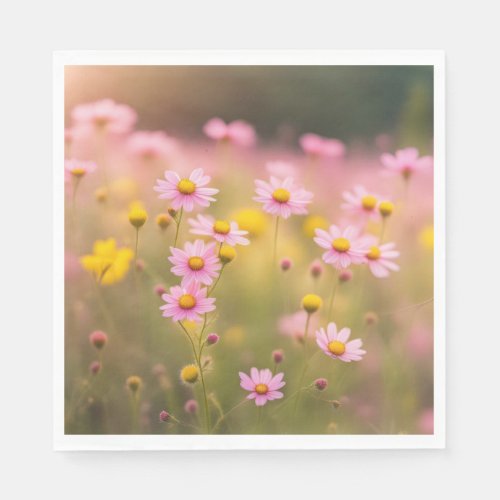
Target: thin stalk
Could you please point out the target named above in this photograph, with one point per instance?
(275, 249)
(332, 296)
(178, 224)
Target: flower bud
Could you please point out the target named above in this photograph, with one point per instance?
(95, 367)
(320, 384)
(171, 211)
(212, 338)
(98, 339)
(311, 302)
(134, 383)
(189, 374)
(286, 264)
(227, 254)
(278, 356)
(345, 275)
(137, 216)
(159, 289)
(316, 269)
(191, 406)
(163, 220)
(165, 416)
(101, 194)
(386, 208)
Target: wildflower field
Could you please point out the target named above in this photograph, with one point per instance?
(220, 281)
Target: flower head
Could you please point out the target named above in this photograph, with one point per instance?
(108, 264)
(278, 356)
(237, 132)
(379, 259)
(134, 383)
(165, 416)
(286, 264)
(311, 302)
(191, 406)
(406, 162)
(321, 384)
(105, 115)
(163, 221)
(98, 339)
(262, 385)
(186, 192)
(212, 338)
(137, 215)
(197, 262)
(151, 145)
(227, 254)
(222, 231)
(187, 303)
(79, 168)
(344, 247)
(386, 208)
(335, 345)
(95, 367)
(361, 202)
(316, 145)
(189, 374)
(282, 198)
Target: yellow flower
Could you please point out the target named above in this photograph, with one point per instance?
(313, 222)
(426, 237)
(134, 383)
(137, 216)
(251, 220)
(107, 263)
(227, 254)
(189, 374)
(311, 302)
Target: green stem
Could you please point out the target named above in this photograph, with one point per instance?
(136, 247)
(216, 281)
(332, 297)
(223, 417)
(178, 223)
(275, 249)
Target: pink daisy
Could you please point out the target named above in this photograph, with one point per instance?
(105, 115)
(222, 231)
(379, 259)
(316, 145)
(187, 192)
(79, 168)
(406, 162)
(149, 145)
(293, 325)
(197, 262)
(282, 198)
(187, 303)
(262, 385)
(335, 345)
(238, 132)
(362, 202)
(344, 247)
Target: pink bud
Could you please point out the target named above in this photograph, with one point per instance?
(316, 269)
(212, 338)
(159, 289)
(98, 339)
(321, 383)
(165, 416)
(191, 406)
(95, 367)
(278, 356)
(139, 265)
(286, 264)
(345, 275)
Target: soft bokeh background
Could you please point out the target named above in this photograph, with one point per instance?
(372, 109)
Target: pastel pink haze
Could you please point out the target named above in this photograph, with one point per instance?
(315, 145)
(187, 192)
(197, 262)
(104, 115)
(406, 162)
(187, 303)
(293, 325)
(221, 231)
(262, 385)
(334, 344)
(150, 145)
(237, 132)
(282, 198)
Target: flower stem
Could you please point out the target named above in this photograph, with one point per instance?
(332, 296)
(136, 247)
(275, 249)
(382, 230)
(178, 224)
(216, 281)
(304, 369)
(197, 356)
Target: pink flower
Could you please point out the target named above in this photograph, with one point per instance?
(148, 145)
(406, 162)
(262, 385)
(222, 231)
(238, 132)
(282, 198)
(79, 168)
(293, 325)
(379, 259)
(316, 145)
(335, 345)
(197, 262)
(361, 202)
(186, 192)
(187, 303)
(344, 247)
(105, 115)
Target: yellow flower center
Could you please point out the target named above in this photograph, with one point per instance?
(222, 227)
(186, 186)
(261, 389)
(195, 263)
(336, 347)
(281, 195)
(369, 202)
(78, 172)
(189, 374)
(374, 253)
(187, 301)
(341, 244)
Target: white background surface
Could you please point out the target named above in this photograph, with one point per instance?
(29, 31)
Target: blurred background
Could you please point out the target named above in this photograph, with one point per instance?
(351, 103)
